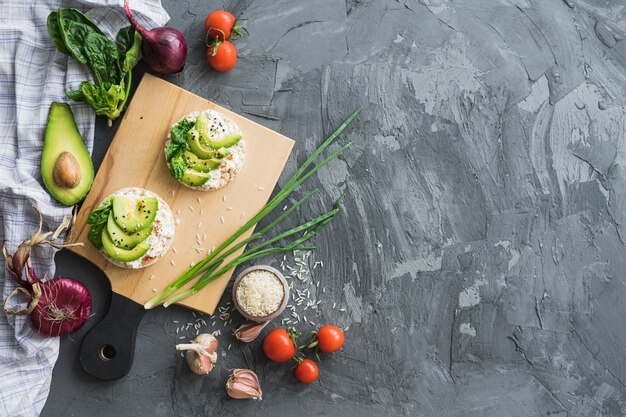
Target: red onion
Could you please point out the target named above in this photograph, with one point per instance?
(164, 48)
(64, 306)
(57, 306)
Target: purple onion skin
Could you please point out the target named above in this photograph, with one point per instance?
(164, 48)
(165, 51)
(64, 306)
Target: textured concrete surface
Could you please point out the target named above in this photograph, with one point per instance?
(480, 258)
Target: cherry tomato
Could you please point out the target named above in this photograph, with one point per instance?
(222, 25)
(222, 56)
(329, 338)
(306, 371)
(279, 345)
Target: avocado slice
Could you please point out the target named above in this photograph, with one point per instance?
(202, 126)
(66, 167)
(134, 214)
(123, 255)
(196, 146)
(228, 141)
(195, 178)
(125, 240)
(201, 165)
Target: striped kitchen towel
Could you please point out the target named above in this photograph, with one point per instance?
(32, 75)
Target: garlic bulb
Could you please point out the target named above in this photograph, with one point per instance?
(200, 354)
(243, 384)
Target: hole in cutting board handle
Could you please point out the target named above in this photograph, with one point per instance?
(108, 350)
(107, 353)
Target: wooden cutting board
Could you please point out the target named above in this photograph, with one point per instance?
(205, 219)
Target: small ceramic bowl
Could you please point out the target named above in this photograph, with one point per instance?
(283, 304)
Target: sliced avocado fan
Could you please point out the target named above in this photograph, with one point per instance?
(123, 255)
(134, 214)
(125, 240)
(198, 164)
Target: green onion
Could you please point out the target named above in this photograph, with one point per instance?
(206, 266)
(310, 228)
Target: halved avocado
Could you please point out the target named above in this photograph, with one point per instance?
(195, 178)
(201, 165)
(126, 240)
(123, 255)
(134, 214)
(66, 167)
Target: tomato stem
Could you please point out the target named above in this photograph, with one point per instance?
(216, 42)
(238, 30)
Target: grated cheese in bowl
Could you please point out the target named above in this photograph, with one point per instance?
(260, 293)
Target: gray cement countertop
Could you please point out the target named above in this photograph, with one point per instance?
(480, 257)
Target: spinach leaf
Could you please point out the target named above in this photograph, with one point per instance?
(128, 42)
(106, 99)
(95, 235)
(173, 149)
(76, 95)
(77, 16)
(177, 167)
(75, 34)
(180, 130)
(74, 27)
(103, 58)
(98, 220)
(54, 30)
(101, 214)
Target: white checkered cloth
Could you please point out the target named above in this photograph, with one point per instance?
(32, 75)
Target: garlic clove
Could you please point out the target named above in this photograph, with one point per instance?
(200, 354)
(244, 384)
(249, 332)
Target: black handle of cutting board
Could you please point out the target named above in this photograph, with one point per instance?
(108, 349)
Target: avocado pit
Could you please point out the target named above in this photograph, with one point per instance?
(66, 172)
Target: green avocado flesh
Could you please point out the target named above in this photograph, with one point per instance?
(193, 139)
(195, 178)
(62, 138)
(201, 165)
(125, 240)
(226, 142)
(123, 255)
(202, 126)
(134, 214)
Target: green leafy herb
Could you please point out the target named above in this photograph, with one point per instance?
(101, 214)
(75, 34)
(98, 220)
(177, 167)
(171, 150)
(176, 146)
(180, 130)
(95, 235)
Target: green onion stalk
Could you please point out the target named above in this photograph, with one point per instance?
(210, 268)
